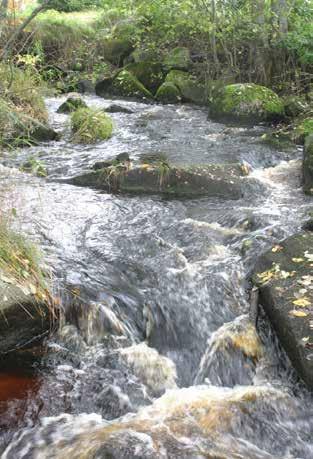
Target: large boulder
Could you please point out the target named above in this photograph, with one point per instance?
(308, 165)
(190, 89)
(222, 180)
(284, 277)
(40, 132)
(125, 84)
(23, 318)
(246, 102)
(178, 59)
(168, 93)
(150, 74)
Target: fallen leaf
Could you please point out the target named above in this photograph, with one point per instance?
(277, 248)
(302, 302)
(297, 260)
(308, 255)
(296, 313)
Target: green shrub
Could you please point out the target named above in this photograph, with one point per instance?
(91, 125)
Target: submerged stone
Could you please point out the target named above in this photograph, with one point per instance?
(220, 180)
(284, 277)
(246, 102)
(115, 108)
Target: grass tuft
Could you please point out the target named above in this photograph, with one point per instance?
(91, 125)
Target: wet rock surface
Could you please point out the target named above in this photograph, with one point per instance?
(284, 277)
(23, 319)
(211, 180)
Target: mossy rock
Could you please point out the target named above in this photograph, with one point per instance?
(294, 106)
(294, 133)
(308, 165)
(190, 90)
(168, 93)
(247, 102)
(280, 275)
(178, 59)
(219, 180)
(148, 73)
(125, 84)
(302, 129)
(143, 55)
(72, 104)
(91, 125)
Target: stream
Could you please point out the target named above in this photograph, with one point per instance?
(155, 356)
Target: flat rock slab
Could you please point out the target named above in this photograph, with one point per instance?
(211, 180)
(22, 318)
(284, 276)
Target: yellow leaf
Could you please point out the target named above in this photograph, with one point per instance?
(277, 248)
(297, 260)
(296, 313)
(302, 302)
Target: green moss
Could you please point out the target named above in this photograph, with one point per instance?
(190, 89)
(247, 102)
(91, 125)
(303, 129)
(148, 73)
(71, 105)
(178, 59)
(127, 85)
(295, 132)
(168, 93)
(114, 49)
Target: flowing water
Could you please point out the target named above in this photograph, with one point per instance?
(155, 356)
